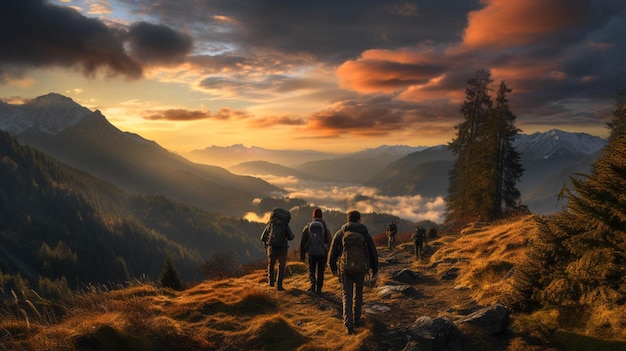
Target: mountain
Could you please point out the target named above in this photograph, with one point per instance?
(62, 224)
(357, 167)
(423, 172)
(264, 168)
(230, 156)
(84, 139)
(548, 158)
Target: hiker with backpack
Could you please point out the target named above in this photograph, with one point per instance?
(352, 254)
(276, 237)
(391, 231)
(419, 237)
(316, 242)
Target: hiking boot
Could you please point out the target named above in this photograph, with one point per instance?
(280, 288)
(350, 331)
(311, 289)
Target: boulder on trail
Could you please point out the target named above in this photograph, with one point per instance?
(433, 334)
(492, 320)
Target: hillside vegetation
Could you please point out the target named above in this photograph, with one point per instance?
(62, 228)
(459, 275)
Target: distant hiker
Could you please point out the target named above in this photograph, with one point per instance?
(391, 231)
(316, 242)
(419, 237)
(354, 248)
(275, 236)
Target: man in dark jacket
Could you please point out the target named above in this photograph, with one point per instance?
(317, 255)
(277, 252)
(352, 283)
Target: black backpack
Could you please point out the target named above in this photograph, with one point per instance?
(279, 220)
(316, 244)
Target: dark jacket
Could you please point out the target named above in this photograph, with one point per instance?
(305, 238)
(336, 247)
(266, 233)
(419, 235)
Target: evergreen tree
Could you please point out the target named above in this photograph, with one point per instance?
(578, 257)
(169, 277)
(483, 180)
(618, 124)
(462, 195)
(509, 164)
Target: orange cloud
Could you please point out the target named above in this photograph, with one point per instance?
(385, 71)
(505, 23)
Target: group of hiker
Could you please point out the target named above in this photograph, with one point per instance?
(418, 238)
(350, 253)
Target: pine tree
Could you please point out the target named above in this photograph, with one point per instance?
(169, 276)
(487, 169)
(509, 162)
(618, 123)
(462, 194)
(579, 256)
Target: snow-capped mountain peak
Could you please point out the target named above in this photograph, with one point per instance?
(555, 142)
(51, 114)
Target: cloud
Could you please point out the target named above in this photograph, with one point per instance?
(557, 57)
(39, 34)
(507, 23)
(344, 197)
(152, 43)
(187, 115)
(263, 122)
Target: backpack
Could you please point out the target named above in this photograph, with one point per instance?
(279, 220)
(316, 242)
(353, 256)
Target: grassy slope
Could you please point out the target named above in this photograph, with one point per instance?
(460, 274)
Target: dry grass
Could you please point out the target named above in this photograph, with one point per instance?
(236, 313)
(244, 313)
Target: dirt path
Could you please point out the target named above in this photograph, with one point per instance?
(430, 292)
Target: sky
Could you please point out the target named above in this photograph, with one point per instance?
(335, 76)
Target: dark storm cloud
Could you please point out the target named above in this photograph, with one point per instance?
(38, 34)
(329, 30)
(158, 43)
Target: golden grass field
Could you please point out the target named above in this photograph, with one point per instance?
(243, 313)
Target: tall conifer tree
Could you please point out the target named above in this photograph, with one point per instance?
(487, 169)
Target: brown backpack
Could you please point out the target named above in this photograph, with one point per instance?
(354, 254)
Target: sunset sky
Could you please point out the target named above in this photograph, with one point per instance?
(326, 75)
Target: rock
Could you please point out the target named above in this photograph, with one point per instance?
(492, 320)
(408, 276)
(386, 291)
(433, 334)
(376, 309)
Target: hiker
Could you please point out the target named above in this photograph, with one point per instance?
(419, 237)
(354, 248)
(276, 235)
(391, 231)
(316, 242)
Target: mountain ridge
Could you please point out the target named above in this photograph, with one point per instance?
(86, 140)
